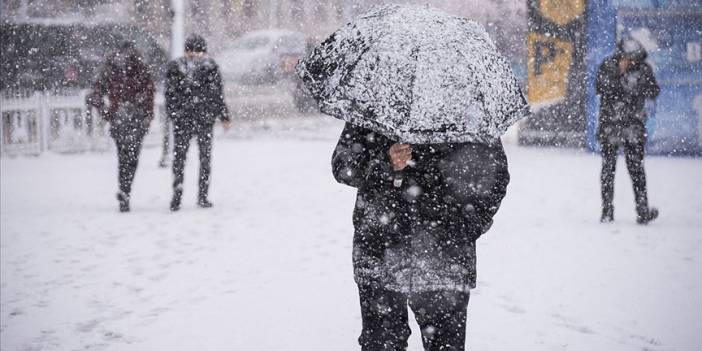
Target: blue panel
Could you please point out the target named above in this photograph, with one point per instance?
(601, 39)
(656, 4)
(674, 128)
(676, 58)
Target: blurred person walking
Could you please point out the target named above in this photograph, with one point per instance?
(194, 100)
(127, 83)
(624, 82)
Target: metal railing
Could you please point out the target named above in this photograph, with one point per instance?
(34, 122)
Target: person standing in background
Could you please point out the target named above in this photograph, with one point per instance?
(624, 82)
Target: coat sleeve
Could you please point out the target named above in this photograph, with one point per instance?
(487, 204)
(98, 90)
(148, 92)
(600, 81)
(605, 83)
(360, 158)
(172, 95)
(217, 94)
(650, 89)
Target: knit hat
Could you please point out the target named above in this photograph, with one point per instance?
(195, 43)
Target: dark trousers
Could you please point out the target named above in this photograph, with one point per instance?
(181, 140)
(441, 316)
(128, 149)
(634, 155)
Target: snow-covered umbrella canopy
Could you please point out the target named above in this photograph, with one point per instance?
(417, 75)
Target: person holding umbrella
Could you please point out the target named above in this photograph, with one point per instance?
(624, 82)
(128, 84)
(425, 97)
(194, 100)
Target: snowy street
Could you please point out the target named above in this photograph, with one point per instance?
(269, 267)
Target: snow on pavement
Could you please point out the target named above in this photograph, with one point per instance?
(269, 267)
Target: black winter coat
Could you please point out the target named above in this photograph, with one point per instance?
(129, 88)
(419, 236)
(623, 96)
(194, 93)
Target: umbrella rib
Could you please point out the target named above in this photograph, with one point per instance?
(414, 53)
(351, 67)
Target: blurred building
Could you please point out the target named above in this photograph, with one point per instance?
(221, 20)
(152, 16)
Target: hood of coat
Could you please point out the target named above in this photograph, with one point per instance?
(631, 49)
(127, 60)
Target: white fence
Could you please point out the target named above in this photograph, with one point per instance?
(59, 121)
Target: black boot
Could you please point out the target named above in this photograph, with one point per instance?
(123, 202)
(175, 202)
(647, 216)
(607, 214)
(202, 194)
(204, 203)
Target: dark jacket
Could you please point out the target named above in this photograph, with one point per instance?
(124, 82)
(419, 236)
(623, 96)
(194, 93)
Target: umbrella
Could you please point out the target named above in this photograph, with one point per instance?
(416, 75)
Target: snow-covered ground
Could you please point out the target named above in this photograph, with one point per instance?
(269, 267)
